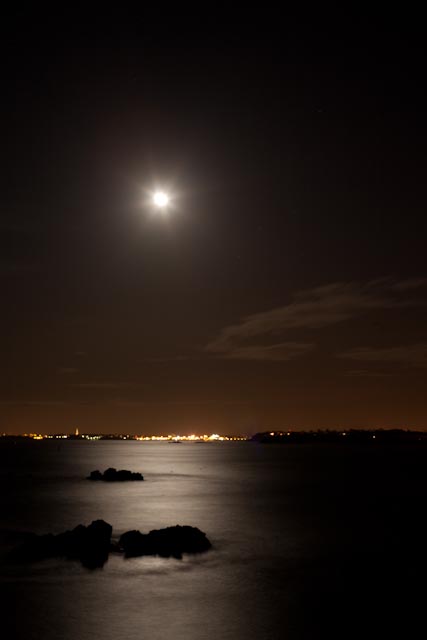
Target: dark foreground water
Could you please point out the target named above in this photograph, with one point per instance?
(309, 541)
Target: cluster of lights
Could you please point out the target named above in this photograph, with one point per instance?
(60, 436)
(40, 436)
(214, 437)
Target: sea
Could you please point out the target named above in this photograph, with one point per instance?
(308, 541)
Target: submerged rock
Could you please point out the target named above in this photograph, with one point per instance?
(168, 542)
(90, 545)
(112, 475)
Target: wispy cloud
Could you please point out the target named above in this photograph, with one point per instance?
(310, 309)
(409, 284)
(33, 403)
(103, 385)
(124, 402)
(161, 359)
(414, 355)
(67, 370)
(280, 352)
(365, 373)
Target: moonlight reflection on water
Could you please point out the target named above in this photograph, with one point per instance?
(306, 540)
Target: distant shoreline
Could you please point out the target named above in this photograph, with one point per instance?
(354, 436)
(351, 436)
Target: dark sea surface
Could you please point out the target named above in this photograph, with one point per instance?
(308, 541)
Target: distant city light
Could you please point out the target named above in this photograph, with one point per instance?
(214, 437)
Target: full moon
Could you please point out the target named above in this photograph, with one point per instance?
(161, 199)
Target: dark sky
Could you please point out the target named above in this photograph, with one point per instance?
(285, 288)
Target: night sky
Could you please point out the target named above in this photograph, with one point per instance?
(286, 286)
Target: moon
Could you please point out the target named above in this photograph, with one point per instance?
(161, 199)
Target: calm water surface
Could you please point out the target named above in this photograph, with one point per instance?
(309, 541)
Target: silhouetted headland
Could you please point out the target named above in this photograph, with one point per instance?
(352, 436)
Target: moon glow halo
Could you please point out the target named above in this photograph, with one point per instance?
(160, 199)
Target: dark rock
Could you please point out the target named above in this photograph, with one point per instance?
(95, 475)
(168, 542)
(90, 545)
(132, 543)
(112, 475)
(95, 546)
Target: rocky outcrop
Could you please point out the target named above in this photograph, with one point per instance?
(112, 475)
(168, 542)
(90, 545)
